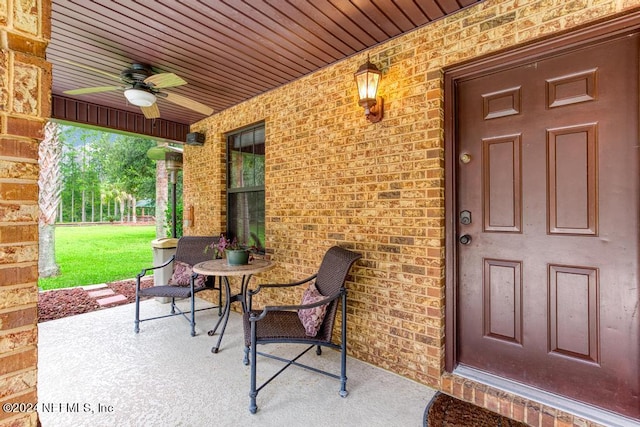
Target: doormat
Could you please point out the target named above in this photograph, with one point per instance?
(444, 410)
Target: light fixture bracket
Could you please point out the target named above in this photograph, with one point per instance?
(375, 112)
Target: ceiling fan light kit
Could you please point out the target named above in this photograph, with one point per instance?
(140, 98)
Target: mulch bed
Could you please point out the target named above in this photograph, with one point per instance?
(56, 304)
(444, 410)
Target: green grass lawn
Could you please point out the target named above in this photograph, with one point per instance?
(93, 254)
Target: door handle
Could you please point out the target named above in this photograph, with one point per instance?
(465, 239)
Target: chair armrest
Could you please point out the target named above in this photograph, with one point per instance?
(253, 317)
(280, 285)
(145, 270)
(252, 292)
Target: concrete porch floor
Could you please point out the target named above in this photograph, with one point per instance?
(164, 377)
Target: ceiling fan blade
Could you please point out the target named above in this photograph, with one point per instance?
(163, 80)
(152, 112)
(96, 89)
(95, 70)
(189, 103)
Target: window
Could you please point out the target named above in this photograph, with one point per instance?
(245, 186)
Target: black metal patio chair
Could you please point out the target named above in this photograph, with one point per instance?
(302, 324)
(183, 283)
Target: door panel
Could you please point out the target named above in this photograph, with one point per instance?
(572, 166)
(548, 284)
(502, 173)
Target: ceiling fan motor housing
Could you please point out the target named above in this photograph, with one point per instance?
(136, 74)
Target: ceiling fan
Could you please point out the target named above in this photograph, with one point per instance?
(142, 88)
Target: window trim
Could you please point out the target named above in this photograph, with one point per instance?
(248, 189)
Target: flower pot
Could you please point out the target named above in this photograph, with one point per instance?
(237, 256)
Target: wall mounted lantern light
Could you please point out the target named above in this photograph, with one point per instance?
(367, 79)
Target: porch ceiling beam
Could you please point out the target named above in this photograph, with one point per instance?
(88, 114)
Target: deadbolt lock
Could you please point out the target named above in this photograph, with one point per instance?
(465, 217)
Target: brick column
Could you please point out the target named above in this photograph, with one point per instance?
(25, 105)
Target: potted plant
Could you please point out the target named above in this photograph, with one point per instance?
(235, 253)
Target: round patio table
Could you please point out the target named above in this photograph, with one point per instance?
(220, 268)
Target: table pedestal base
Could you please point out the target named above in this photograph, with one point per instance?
(224, 318)
(220, 268)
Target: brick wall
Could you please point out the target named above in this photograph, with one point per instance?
(25, 85)
(333, 178)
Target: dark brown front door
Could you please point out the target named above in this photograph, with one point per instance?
(547, 199)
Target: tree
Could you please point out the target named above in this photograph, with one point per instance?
(50, 186)
(70, 172)
(126, 165)
(104, 168)
(82, 170)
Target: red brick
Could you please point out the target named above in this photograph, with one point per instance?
(18, 361)
(19, 233)
(467, 391)
(13, 191)
(518, 409)
(492, 402)
(480, 395)
(25, 127)
(548, 418)
(505, 406)
(18, 43)
(18, 318)
(532, 414)
(16, 275)
(20, 148)
(29, 397)
(447, 385)
(457, 388)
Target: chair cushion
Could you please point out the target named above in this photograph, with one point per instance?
(182, 275)
(312, 318)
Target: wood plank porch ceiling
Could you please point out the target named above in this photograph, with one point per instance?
(227, 50)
